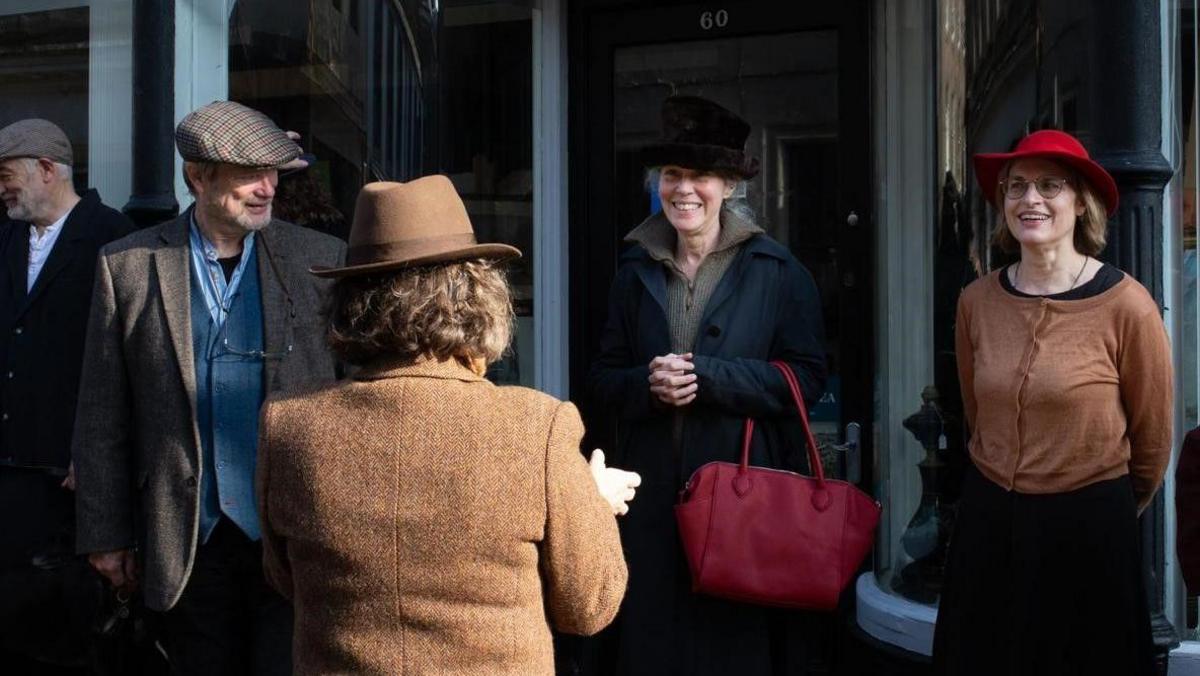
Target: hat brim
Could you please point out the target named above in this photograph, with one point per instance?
(989, 165)
(494, 252)
(701, 158)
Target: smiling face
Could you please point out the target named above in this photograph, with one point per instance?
(691, 199)
(23, 187)
(1037, 221)
(236, 196)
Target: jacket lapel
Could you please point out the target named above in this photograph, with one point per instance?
(278, 312)
(733, 277)
(171, 261)
(60, 255)
(654, 278)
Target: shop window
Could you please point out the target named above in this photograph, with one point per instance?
(485, 143)
(346, 76)
(69, 62)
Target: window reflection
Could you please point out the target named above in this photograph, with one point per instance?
(344, 74)
(44, 65)
(485, 144)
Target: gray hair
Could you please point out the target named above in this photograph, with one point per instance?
(61, 171)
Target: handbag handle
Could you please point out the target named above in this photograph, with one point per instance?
(814, 458)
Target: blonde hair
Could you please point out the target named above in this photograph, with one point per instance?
(461, 309)
(1091, 228)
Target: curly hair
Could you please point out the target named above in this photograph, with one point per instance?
(1091, 230)
(462, 309)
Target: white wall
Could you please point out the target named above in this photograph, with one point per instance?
(201, 64)
(110, 100)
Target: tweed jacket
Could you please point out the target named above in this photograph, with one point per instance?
(424, 520)
(136, 445)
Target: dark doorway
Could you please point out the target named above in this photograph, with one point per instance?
(799, 73)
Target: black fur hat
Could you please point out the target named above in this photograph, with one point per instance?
(699, 134)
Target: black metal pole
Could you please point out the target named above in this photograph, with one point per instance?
(153, 197)
(1127, 140)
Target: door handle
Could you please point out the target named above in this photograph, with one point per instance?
(849, 453)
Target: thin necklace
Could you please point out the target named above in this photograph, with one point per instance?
(1086, 260)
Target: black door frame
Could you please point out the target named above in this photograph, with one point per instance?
(598, 27)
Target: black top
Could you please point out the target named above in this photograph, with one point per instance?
(228, 265)
(1106, 278)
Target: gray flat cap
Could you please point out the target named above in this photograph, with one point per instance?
(230, 133)
(35, 138)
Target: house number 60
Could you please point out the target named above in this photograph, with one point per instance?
(719, 19)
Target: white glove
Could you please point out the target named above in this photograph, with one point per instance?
(616, 485)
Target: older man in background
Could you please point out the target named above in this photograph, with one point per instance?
(48, 248)
(193, 323)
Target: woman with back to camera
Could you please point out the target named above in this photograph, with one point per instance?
(701, 304)
(1066, 382)
(420, 518)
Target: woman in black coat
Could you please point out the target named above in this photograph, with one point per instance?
(701, 304)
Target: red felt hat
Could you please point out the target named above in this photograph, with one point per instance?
(1053, 145)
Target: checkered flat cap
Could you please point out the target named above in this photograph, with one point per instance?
(230, 133)
(35, 138)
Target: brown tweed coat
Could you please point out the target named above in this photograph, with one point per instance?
(136, 446)
(424, 520)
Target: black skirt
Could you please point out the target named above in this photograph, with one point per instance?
(1044, 584)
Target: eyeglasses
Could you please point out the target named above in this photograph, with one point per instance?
(1047, 186)
(222, 350)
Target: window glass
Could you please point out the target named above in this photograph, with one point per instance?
(44, 68)
(345, 76)
(1187, 298)
(485, 143)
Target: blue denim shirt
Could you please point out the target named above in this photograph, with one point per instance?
(229, 392)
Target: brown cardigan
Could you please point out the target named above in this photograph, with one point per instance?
(426, 521)
(1061, 394)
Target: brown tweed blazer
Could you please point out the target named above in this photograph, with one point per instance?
(424, 520)
(136, 446)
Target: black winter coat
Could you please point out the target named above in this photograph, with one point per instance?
(764, 308)
(42, 333)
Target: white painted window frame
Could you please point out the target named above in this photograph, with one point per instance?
(550, 219)
(904, 116)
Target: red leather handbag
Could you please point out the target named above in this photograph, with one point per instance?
(773, 537)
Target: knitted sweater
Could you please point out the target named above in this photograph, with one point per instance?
(687, 298)
(1061, 394)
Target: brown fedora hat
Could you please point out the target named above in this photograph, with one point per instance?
(400, 225)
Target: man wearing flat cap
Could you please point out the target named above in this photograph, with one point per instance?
(48, 249)
(193, 324)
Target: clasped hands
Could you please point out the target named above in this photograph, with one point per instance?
(672, 380)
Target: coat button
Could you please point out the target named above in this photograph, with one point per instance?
(10, 375)
(714, 331)
(18, 330)
(190, 482)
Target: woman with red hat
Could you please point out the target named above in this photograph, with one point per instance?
(1066, 382)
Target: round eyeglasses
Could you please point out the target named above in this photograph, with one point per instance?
(1047, 186)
